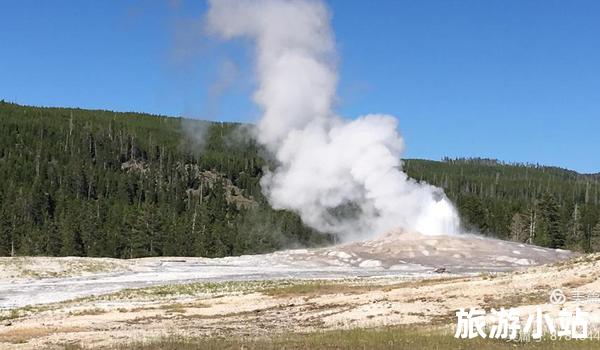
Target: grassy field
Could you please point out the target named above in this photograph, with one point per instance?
(372, 339)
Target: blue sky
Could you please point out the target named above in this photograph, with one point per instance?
(517, 80)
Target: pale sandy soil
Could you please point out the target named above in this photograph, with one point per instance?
(259, 308)
(20, 269)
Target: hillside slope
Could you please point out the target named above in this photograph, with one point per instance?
(98, 183)
(547, 206)
(101, 183)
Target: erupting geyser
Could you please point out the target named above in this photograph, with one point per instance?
(341, 176)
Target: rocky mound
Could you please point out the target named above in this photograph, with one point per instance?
(398, 250)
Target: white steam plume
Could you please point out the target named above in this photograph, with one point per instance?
(341, 176)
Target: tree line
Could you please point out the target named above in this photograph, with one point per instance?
(102, 183)
(547, 206)
(99, 183)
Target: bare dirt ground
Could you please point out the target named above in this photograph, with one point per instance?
(411, 295)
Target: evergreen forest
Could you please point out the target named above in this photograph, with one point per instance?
(101, 183)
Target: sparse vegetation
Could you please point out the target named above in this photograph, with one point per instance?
(323, 287)
(373, 339)
(278, 288)
(10, 315)
(191, 289)
(173, 308)
(314, 288)
(24, 335)
(45, 267)
(256, 314)
(88, 312)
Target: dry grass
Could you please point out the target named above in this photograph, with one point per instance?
(197, 305)
(174, 308)
(186, 289)
(87, 312)
(23, 335)
(519, 298)
(10, 315)
(314, 288)
(374, 339)
(579, 282)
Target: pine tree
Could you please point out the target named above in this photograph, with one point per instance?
(519, 228)
(54, 240)
(5, 232)
(575, 232)
(549, 231)
(146, 232)
(595, 238)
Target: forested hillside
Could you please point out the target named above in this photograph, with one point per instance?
(547, 206)
(100, 183)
